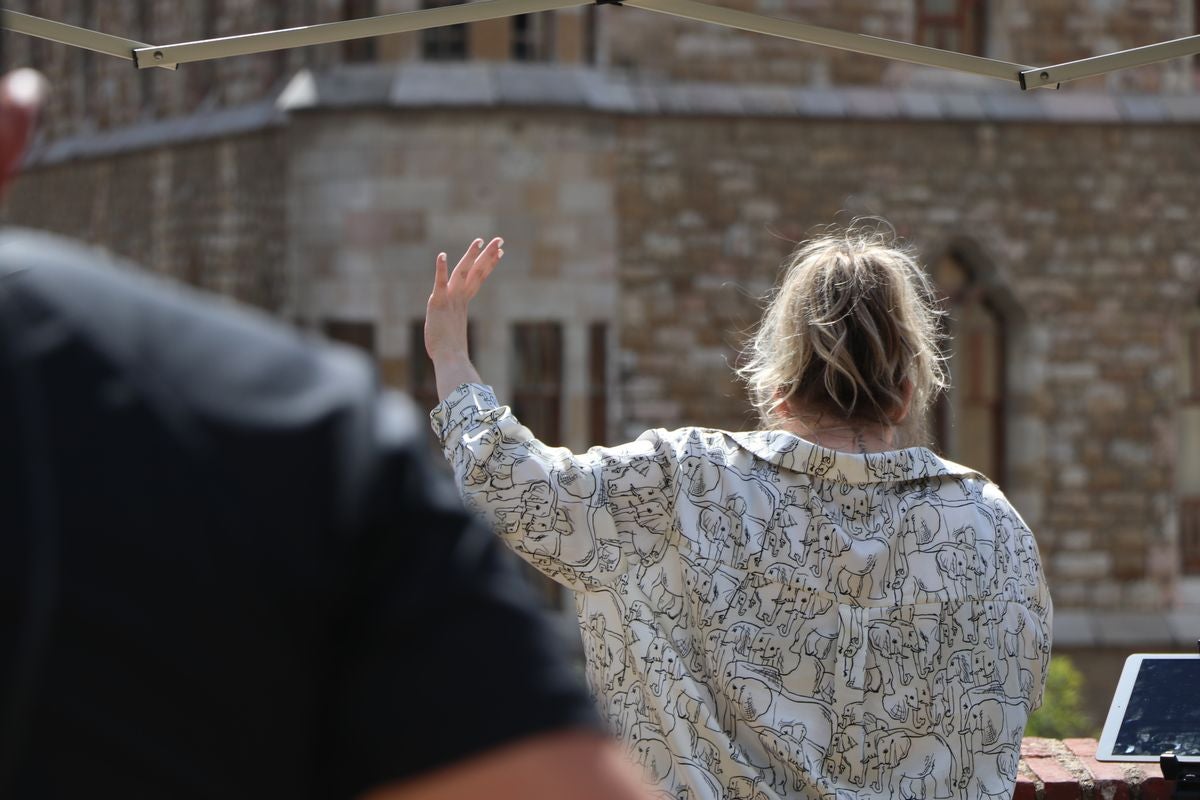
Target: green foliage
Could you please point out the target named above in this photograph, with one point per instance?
(1061, 715)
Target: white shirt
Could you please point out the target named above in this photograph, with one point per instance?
(766, 618)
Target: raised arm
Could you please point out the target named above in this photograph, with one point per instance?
(446, 313)
(580, 519)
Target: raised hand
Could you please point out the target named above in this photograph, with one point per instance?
(446, 311)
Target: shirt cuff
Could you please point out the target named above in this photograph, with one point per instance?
(462, 408)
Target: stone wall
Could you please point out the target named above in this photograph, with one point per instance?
(209, 213)
(373, 198)
(671, 226)
(1022, 31)
(1068, 770)
(1086, 226)
(95, 92)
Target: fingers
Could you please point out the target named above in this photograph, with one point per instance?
(441, 274)
(475, 266)
(486, 262)
(465, 263)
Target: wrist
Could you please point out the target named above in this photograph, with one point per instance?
(449, 357)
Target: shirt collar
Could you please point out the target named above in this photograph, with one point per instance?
(789, 451)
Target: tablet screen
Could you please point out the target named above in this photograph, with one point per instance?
(1163, 710)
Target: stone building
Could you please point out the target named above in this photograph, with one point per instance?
(649, 175)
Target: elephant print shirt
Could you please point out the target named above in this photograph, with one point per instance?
(765, 618)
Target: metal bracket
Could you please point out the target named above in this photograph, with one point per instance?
(1098, 65)
(69, 34)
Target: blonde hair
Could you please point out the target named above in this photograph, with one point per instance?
(852, 321)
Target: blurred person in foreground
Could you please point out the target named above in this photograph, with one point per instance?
(805, 610)
(227, 571)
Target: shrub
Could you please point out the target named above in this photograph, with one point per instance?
(1061, 715)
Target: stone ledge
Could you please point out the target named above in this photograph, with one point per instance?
(477, 85)
(1068, 770)
(1160, 631)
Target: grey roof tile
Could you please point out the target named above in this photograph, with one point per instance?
(1138, 108)
(1182, 108)
(448, 85)
(1132, 629)
(821, 102)
(961, 105)
(872, 103)
(1079, 106)
(770, 100)
(918, 105)
(1074, 629)
(1012, 106)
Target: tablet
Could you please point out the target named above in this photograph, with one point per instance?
(1156, 708)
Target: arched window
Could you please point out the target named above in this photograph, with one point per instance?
(968, 422)
(1187, 473)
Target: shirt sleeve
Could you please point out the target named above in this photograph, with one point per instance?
(441, 651)
(1027, 594)
(583, 520)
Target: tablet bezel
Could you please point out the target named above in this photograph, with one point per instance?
(1120, 701)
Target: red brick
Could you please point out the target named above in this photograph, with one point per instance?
(1156, 788)
(1111, 780)
(1026, 783)
(1032, 747)
(1059, 782)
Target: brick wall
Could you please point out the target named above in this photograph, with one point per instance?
(1068, 770)
(670, 227)
(210, 213)
(1086, 227)
(98, 92)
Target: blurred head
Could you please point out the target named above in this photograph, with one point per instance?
(22, 93)
(849, 336)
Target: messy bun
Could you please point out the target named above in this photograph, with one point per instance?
(851, 324)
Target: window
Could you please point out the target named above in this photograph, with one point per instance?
(533, 37)
(146, 77)
(597, 389)
(355, 334)
(1187, 479)
(591, 34)
(200, 77)
(537, 378)
(86, 19)
(358, 50)
(447, 43)
(958, 25)
(968, 422)
(537, 381)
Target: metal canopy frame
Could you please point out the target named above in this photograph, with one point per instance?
(147, 56)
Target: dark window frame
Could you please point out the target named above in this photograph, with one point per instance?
(968, 22)
(448, 42)
(361, 334)
(973, 293)
(532, 37)
(597, 386)
(360, 51)
(538, 373)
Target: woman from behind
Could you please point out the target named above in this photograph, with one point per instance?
(810, 609)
